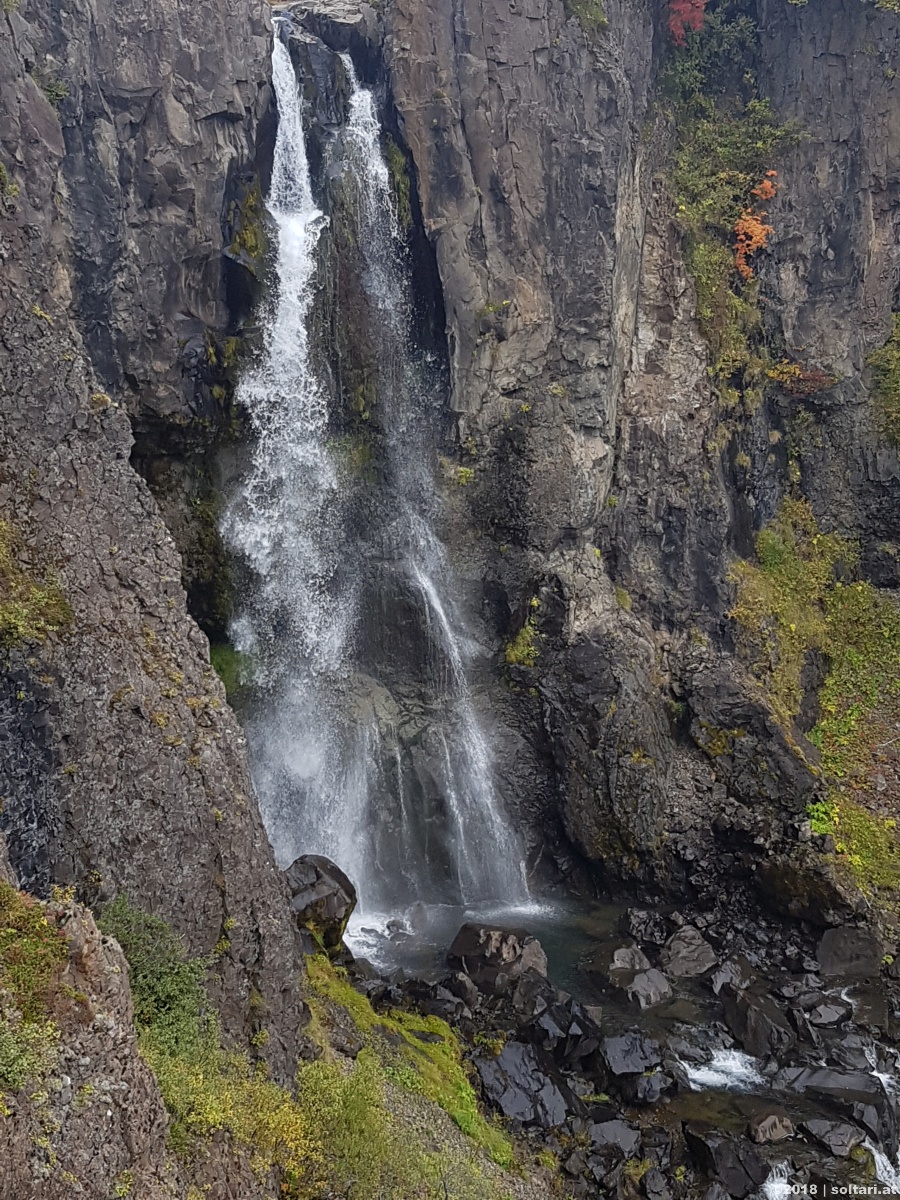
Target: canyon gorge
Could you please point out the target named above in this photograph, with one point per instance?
(450, 478)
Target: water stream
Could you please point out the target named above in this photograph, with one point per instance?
(388, 769)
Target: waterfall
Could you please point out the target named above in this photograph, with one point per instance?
(385, 769)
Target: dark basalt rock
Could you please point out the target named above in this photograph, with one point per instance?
(687, 953)
(654, 1185)
(630, 1054)
(857, 1094)
(649, 988)
(494, 957)
(566, 1030)
(615, 1135)
(837, 1137)
(739, 973)
(736, 1163)
(322, 898)
(850, 952)
(527, 1088)
(645, 926)
(757, 1022)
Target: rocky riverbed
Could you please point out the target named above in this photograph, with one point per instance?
(693, 1056)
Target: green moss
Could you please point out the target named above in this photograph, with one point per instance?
(797, 598)
(248, 240)
(9, 189)
(465, 475)
(232, 667)
(32, 952)
(589, 14)
(335, 1134)
(31, 607)
(623, 599)
(523, 650)
(398, 168)
(433, 1067)
(885, 364)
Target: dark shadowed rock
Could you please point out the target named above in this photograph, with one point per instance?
(757, 1022)
(849, 951)
(566, 1030)
(322, 898)
(687, 953)
(837, 1137)
(734, 1162)
(615, 1135)
(858, 1095)
(738, 972)
(654, 1185)
(646, 1088)
(646, 926)
(493, 957)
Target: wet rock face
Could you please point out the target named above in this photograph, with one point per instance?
(160, 148)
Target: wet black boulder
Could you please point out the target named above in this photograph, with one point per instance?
(523, 1083)
(322, 899)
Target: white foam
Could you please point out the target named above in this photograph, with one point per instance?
(727, 1071)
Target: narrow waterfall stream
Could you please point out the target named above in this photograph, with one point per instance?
(366, 739)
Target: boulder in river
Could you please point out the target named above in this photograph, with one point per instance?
(630, 1054)
(770, 1127)
(687, 953)
(757, 1022)
(322, 898)
(649, 988)
(849, 952)
(838, 1138)
(493, 957)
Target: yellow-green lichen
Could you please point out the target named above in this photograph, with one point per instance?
(885, 364)
(523, 650)
(32, 604)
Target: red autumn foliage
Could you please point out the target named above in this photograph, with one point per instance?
(685, 15)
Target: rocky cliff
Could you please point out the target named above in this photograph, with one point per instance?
(123, 769)
(618, 474)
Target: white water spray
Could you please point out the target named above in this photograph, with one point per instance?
(325, 735)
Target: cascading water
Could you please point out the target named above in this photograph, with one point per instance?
(340, 748)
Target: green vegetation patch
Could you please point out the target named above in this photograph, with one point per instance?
(432, 1067)
(30, 607)
(589, 14)
(335, 1135)
(727, 140)
(800, 596)
(232, 667)
(32, 952)
(885, 364)
(523, 650)
(398, 168)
